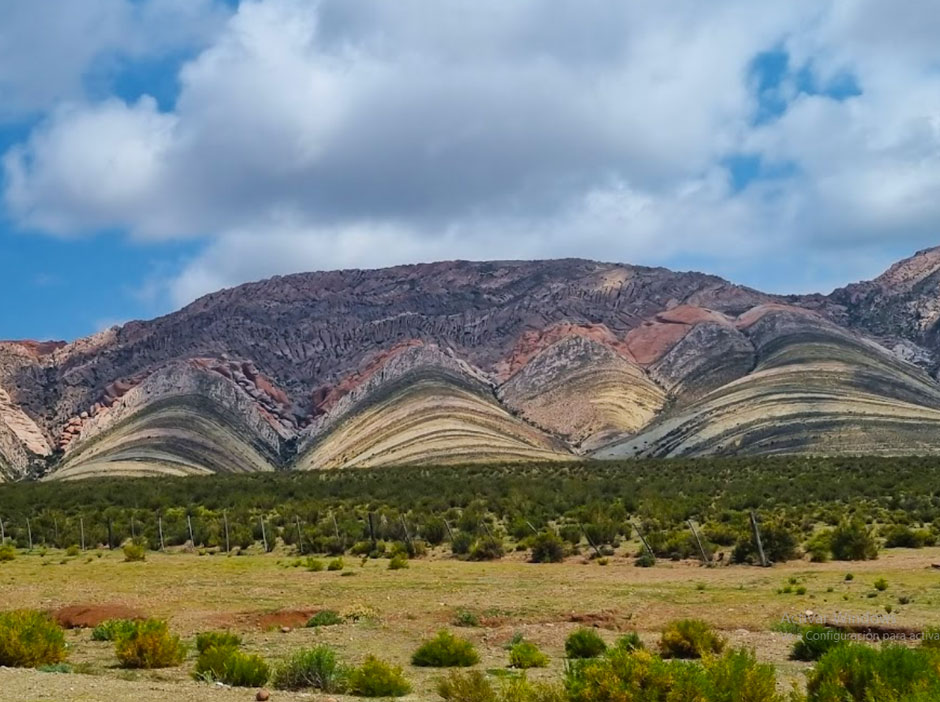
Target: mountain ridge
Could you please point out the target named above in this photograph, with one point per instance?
(553, 358)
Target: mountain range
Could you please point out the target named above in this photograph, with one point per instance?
(482, 361)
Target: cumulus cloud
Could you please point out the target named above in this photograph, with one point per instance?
(349, 133)
(48, 47)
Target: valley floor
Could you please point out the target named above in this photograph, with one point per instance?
(257, 595)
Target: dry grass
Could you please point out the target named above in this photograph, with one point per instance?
(544, 602)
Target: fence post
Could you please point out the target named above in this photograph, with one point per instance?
(705, 558)
(300, 536)
(110, 534)
(3, 534)
(189, 523)
(225, 522)
(404, 526)
(643, 540)
(29, 533)
(160, 530)
(584, 531)
(264, 536)
(81, 526)
(372, 528)
(760, 545)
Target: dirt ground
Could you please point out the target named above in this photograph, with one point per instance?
(257, 595)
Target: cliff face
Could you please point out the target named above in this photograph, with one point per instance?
(537, 359)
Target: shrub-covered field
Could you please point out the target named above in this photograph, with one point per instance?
(503, 583)
(842, 508)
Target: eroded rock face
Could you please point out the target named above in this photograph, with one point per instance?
(542, 358)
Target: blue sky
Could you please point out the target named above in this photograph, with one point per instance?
(156, 150)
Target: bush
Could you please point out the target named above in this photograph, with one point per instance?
(376, 678)
(814, 642)
(461, 543)
(689, 638)
(112, 629)
(852, 541)
(7, 552)
(858, 673)
(630, 642)
(548, 547)
(644, 560)
(325, 617)
(584, 643)
(643, 676)
(398, 562)
(335, 564)
(487, 548)
(819, 546)
(29, 639)
(218, 639)
(881, 584)
(900, 536)
(149, 644)
(445, 651)
(466, 618)
(314, 565)
(779, 543)
(134, 552)
(525, 655)
(471, 686)
(931, 638)
(315, 668)
(226, 664)
(72, 551)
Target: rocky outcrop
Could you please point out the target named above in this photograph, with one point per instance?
(462, 360)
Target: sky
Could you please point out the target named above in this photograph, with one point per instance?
(152, 151)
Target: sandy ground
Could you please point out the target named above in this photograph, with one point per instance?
(254, 594)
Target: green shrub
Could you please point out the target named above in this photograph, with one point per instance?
(461, 544)
(630, 642)
(315, 668)
(779, 544)
(814, 641)
(218, 639)
(858, 673)
(226, 664)
(471, 686)
(134, 552)
(819, 546)
(445, 651)
(325, 617)
(376, 678)
(314, 565)
(335, 564)
(72, 551)
(525, 655)
(7, 552)
(149, 644)
(641, 676)
(398, 562)
(644, 560)
(111, 629)
(487, 548)
(584, 643)
(881, 584)
(853, 541)
(689, 638)
(547, 547)
(931, 637)
(466, 618)
(29, 639)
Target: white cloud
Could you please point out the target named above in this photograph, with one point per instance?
(350, 133)
(47, 47)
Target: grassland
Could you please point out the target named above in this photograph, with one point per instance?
(256, 594)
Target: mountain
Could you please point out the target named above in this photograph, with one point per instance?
(461, 361)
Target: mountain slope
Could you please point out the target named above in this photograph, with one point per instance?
(461, 361)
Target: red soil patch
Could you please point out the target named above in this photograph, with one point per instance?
(650, 341)
(82, 616)
(532, 342)
(755, 314)
(293, 618)
(603, 620)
